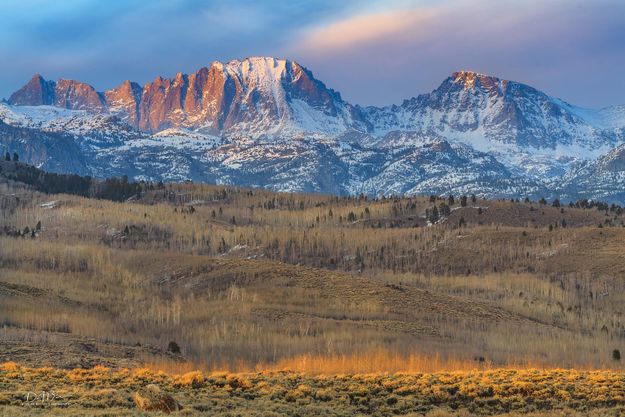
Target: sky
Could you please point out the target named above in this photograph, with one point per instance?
(374, 52)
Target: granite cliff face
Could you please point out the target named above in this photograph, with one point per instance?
(268, 122)
(254, 96)
(67, 94)
(37, 92)
(124, 100)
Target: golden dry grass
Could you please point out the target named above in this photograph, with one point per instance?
(486, 392)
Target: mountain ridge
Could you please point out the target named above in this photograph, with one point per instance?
(127, 99)
(213, 97)
(268, 122)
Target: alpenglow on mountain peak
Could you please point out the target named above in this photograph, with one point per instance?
(268, 122)
(276, 94)
(470, 78)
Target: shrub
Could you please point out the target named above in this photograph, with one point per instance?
(173, 348)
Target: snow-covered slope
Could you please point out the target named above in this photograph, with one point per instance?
(601, 179)
(75, 122)
(530, 132)
(268, 122)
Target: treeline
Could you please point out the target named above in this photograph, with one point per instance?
(581, 204)
(114, 189)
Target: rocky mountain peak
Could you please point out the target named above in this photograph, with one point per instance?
(271, 97)
(76, 95)
(180, 79)
(269, 93)
(471, 79)
(68, 94)
(124, 100)
(36, 92)
(471, 83)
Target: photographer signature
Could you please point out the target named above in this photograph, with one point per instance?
(43, 398)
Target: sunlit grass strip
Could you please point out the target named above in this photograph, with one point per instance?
(489, 390)
(379, 361)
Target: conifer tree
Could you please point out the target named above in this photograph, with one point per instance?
(433, 215)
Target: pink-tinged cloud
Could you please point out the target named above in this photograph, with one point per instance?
(373, 51)
(362, 29)
(565, 47)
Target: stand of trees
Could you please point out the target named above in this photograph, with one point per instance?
(115, 189)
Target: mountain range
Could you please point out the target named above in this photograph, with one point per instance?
(268, 122)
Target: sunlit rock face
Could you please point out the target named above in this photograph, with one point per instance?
(256, 96)
(68, 94)
(37, 92)
(124, 100)
(75, 95)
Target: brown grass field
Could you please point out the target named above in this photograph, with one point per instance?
(358, 302)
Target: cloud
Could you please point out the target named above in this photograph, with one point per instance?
(105, 42)
(373, 51)
(570, 48)
(362, 29)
